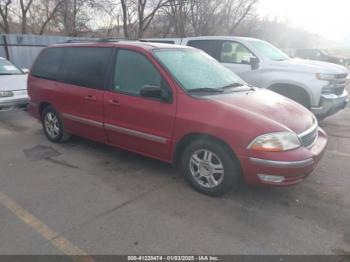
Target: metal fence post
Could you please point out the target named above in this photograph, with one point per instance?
(6, 47)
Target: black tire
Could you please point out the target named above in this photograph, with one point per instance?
(231, 167)
(62, 135)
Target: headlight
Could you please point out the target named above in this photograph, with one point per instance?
(6, 93)
(326, 77)
(275, 142)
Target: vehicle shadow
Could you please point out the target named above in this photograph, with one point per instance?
(114, 159)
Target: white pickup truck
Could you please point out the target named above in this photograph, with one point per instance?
(319, 86)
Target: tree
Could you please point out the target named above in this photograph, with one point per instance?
(138, 14)
(25, 6)
(125, 18)
(235, 12)
(44, 14)
(4, 13)
(177, 14)
(50, 13)
(75, 16)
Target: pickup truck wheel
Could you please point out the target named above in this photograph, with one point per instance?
(210, 168)
(53, 126)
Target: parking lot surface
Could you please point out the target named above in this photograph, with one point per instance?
(83, 197)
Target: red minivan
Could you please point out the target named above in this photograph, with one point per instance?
(176, 104)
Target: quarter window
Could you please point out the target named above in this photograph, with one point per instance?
(48, 63)
(133, 71)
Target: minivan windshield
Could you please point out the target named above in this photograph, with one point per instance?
(197, 71)
(6, 68)
(269, 50)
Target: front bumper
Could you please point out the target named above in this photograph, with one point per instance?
(285, 168)
(331, 104)
(9, 104)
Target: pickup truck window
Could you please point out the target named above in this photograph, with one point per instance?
(211, 47)
(195, 70)
(235, 53)
(268, 50)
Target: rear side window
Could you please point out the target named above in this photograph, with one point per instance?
(133, 71)
(86, 66)
(48, 63)
(211, 47)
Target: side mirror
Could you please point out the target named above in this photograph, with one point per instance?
(254, 62)
(25, 70)
(155, 92)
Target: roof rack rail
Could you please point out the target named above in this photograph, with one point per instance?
(111, 39)
(79, 41)
(94, 40)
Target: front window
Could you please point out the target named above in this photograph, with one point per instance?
(269, 50)
(7, 68)
(133, 71)
(195, 70)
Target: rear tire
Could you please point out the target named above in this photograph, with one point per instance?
(210, 167)
(53, 126)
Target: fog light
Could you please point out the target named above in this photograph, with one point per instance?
(271, 179)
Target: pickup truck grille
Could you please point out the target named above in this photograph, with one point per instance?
(340, 83)
(309, 137)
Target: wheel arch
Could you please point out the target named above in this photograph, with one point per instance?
(285, 89)
(42, 106)
(189, 138)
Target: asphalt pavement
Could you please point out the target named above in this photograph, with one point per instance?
(82, 197)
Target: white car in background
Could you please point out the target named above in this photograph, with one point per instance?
(13, 86)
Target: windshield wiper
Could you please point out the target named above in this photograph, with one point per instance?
(206, 89)
(232, 85)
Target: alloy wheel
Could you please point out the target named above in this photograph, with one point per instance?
(52, 125)
(206, 168)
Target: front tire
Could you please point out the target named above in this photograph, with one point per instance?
(53, 126)
(210, 167)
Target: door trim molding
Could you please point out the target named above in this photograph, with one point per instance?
(82, 120)
(135, 133)
(114, 128)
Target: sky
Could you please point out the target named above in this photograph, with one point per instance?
(329, 18)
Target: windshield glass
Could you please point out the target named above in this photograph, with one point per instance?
(194, 69)
(269, 50)
(6, 68)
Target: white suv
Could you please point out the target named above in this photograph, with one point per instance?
(318, 86)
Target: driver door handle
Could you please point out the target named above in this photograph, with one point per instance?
(91, 98)
(114, 102)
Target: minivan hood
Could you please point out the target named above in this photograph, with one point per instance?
(13, 82)
(267, 108)
(311, 66)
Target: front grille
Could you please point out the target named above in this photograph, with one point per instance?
(340, 83)
(341, 76)
(309, 137)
